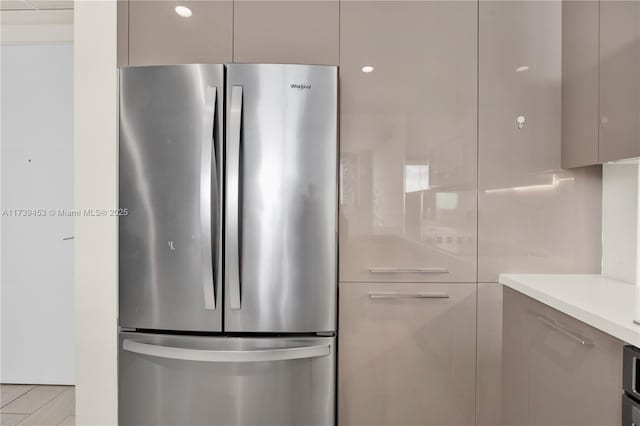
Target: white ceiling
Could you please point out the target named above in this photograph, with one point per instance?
(36, 4)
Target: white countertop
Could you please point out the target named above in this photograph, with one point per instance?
(602, 303)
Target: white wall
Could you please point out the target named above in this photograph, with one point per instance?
(37, 291)
(620, 191)
(95, 149)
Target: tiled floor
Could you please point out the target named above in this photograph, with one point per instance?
(35, 405)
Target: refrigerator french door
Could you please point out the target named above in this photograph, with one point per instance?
(170, 180)
(228, 251)
(280, 229)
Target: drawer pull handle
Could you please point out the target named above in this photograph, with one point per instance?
(568, 333)
(383, 270)
(384, 295)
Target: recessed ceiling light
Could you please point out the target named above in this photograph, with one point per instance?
(367, 68)
(522, 68)
(183, 11)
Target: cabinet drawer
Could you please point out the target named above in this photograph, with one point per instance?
(575, 371)
(407, 354)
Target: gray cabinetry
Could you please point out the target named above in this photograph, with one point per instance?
(601, 81)
(406, 354)
(580, 80)
(619, 80)
(408, 137)
(556, 369)
(159, 36)
(289, 31)
(575, 371)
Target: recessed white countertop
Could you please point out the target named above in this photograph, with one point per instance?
(602, 303)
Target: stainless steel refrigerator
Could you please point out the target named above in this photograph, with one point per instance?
(228, 250)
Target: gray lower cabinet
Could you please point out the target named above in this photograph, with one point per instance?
(515, 359)
(406, 354)
(556, 369)
(575, 372)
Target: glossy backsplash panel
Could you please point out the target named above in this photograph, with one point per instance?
(408, 141)
(533, 216)
(620, 194)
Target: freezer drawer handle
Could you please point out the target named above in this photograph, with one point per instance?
(384, 295)
(206, 176)
(268, 355)
(570, 334)
(381, 270)
(233, 198)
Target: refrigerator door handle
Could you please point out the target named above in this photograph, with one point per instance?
(262, 355)
(233, 198)
(207, 172)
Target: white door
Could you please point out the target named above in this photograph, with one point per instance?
(37, 290)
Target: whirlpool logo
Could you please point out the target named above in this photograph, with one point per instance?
(302, 86)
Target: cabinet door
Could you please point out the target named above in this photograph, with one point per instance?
(580, 57)
(408, 141)
(575, 372)
(619, 80)
(407, 354)
(287, 32)
(526, 202)
(515, 358)
(122, 43)
(159, 36)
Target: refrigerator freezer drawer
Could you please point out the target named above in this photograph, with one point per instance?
(225, 381)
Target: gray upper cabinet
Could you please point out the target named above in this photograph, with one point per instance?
(159, 36)
(122, 46)
(289, 32)
(408, 141)
(407, 354)
(580, 83)
(150, 32)
(601, 82)
(619, 80)
(526, 202)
